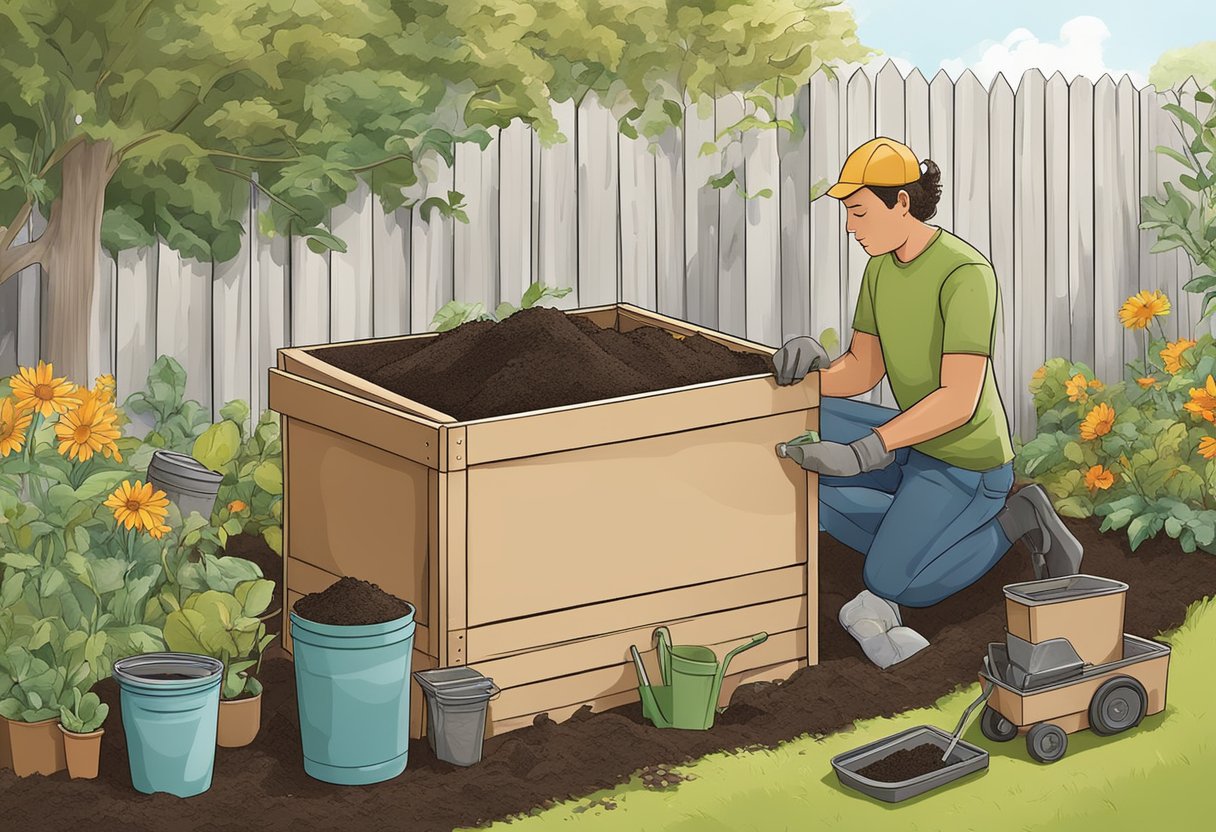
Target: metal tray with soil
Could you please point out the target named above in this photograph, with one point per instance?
(907, 764)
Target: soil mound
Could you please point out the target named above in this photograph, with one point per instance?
(351, 602)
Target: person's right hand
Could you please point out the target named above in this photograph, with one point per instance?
(798, 357)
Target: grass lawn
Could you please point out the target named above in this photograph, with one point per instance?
(1155, 776)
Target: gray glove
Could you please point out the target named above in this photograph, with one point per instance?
(834, 459)
(798, 357)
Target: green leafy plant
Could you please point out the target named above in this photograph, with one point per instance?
(226, 627)
(176, 422)
(250, 498)
(86, 714)
(454, 313)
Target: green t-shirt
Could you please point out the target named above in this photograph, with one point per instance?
(944, 300)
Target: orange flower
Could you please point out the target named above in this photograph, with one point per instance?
(1097, 385)
(105, 388)
(89, 429)
(1203, 400)
(1098, 422)
(1140, 309)
(138, 506)
(1077, 389)
(13, 425)
(1098, 477)
(1147, 382)
(1207, 447)
(36, 390)
(1172, 354)
(237, 506)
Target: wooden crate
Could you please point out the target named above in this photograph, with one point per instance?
(537, 547)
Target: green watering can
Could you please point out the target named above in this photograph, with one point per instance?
(692, 680)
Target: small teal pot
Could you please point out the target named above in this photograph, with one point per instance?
(353, 690)
(170, 723)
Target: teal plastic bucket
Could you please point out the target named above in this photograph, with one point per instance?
(353, 690)
(171, 722)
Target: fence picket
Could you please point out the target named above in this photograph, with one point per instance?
(1081, 283)
(636, 210)
(829, 305)
(669, 222)
(1057, 308)
(1001, 221)
(1029, 241)
(350, 272)
(794, 216)
(762, 240)
(475, 243)
(701, 214)
(732, 224)
(599, 266)
(514, 211)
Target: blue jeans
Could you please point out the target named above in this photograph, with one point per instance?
(928, 529)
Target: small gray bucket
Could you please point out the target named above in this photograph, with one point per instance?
(185, 481)
(456, 703)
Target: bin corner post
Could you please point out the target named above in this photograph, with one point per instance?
(450, 585)
(812, 550)
(285, 518)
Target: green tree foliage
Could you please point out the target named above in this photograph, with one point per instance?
(1176, 65)
(167, 112)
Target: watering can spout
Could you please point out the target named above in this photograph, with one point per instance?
(757, 639)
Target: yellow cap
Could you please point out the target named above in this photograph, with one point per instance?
(882, 161)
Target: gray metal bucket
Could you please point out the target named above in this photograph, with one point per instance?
(185, 481)
(456, 704)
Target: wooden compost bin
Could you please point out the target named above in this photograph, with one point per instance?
(537, 547)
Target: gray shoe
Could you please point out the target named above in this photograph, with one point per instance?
(1055, 551)
(878, 627)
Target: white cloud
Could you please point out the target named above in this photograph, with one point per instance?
(1078, 51)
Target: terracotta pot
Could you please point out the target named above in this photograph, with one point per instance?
(37, 747)
(240, 720)
(6, 747)
(83, 752)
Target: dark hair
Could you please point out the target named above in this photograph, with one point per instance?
(923, 194)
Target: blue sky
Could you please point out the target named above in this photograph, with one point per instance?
(1116, 36)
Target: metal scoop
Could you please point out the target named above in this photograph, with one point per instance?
(958, 731)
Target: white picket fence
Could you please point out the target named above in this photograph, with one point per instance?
(1045, 180)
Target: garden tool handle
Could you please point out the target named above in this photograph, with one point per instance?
(663, 636)
(643, 678)
(958, 731)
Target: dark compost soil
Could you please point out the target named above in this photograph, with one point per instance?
(905, 764)
(535, 359)
(533, 766)
(351, 602)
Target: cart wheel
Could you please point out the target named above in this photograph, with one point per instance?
(1046, 742)
(1118, 704)
(995, 727)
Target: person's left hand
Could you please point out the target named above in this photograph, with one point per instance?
(835, 459)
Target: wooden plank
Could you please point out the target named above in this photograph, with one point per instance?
(1001, 195)
(183, 320)
(576, 656)
(288, 602)
(1192, 302)
(272, 288)
(453, 564)
(135, 322)
(309, 293)
(1058, 317)
(311, 366)
(669, 194)
(350, 272)
(231, 327)
(29, 334)
(1127, 198)
(475, 243)
(781, 670)
(390, 270)
(829, 288)
(1080, 223)
(604, 682)
(431, 281)
(507, 638)
(794, 216)
(810, 581)
(972, 204)
(101, 333)
(401, 434)
(557, 208)
(732, 223)
(701, 214)
(634, 417)
(1029, 246)
(599, 264)
(638, 221)
(916, 114)
(755, 509)
(1158, 271)
(762, 237)
(514, 211)
(888, 104)
(941, 144)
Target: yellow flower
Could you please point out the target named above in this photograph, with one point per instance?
(1207, 447)
(1039, 373)
(137, 506)
(13, 424)
(1147, 382)
(1097, 385)
(104, 388)
(1172, 354)
(1203, 400)
(37, 391)
(1098, 422)
(1076, 387)
(237, 506)
(89, 429)
(1098, 477)
(1139, 310)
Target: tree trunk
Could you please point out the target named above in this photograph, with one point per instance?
(72, 258)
